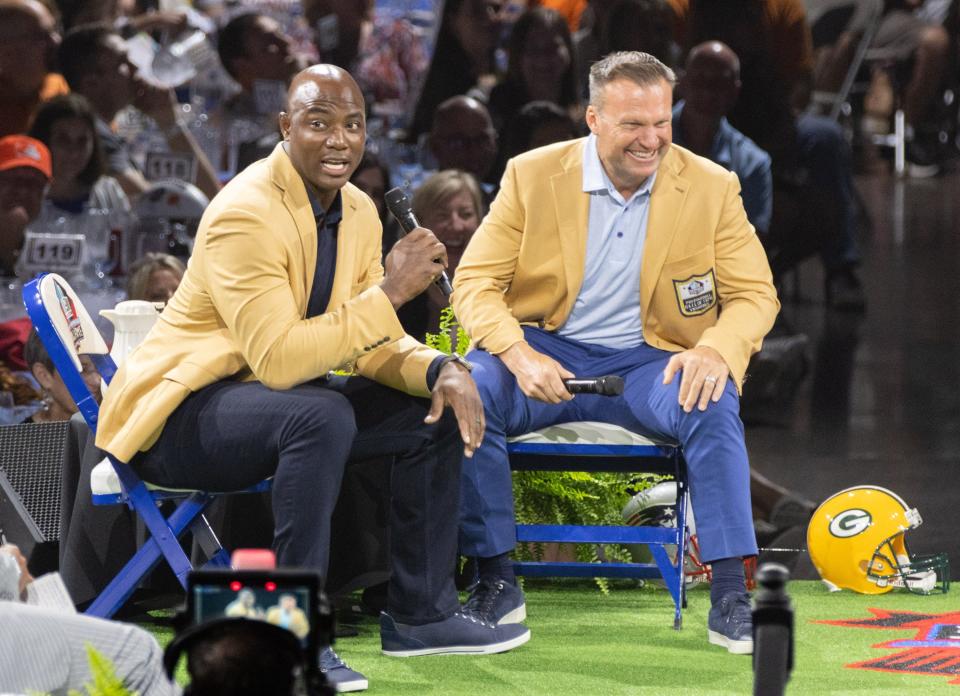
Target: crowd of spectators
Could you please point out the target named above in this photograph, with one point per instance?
(91, 123)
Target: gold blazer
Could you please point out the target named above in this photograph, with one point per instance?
(239, 311)
(704, 281)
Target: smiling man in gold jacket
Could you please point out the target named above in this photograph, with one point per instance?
(231, 386)
(617, 254)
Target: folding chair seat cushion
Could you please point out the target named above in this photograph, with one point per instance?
(585, 435)
(106, 488)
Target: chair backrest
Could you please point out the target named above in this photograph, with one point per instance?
(67, 331)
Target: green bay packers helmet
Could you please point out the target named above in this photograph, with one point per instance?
(856, 542)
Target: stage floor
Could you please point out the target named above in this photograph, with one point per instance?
(881, 404)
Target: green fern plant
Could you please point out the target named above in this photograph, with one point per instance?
(105, 681)
(560, 497)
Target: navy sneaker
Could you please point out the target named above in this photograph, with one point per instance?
(496, 601)
(339, 675)
(462, 633)
(730, 623)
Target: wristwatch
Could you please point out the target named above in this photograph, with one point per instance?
(456, 358)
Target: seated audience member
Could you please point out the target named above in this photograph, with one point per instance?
(256, 53)
(67, 126)
(19, 399)
(46, 650)
(128, 17)
(463, 54)
(386, 54)
(709, 89)
(231, 373)
(373, 178)
(155, 277)
(537, 124)
(463, 138)
(540, 67)
(58, 405)
(551, 287)
(627, 25)
(25, 171)
(95, 64)
(28, 46)
(634, 25)
(921, 50)
(450, 205)
(814, 208)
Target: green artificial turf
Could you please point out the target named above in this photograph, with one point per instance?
(587, 643)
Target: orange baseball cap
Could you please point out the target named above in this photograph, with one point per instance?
(24, 151)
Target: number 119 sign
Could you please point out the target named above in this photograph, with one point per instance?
(44, 252)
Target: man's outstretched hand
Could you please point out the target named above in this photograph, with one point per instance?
(455, 388)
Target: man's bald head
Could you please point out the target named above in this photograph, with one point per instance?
(461, 107)
(711, 83)
(714, 53)
(324, 128)
(323, 82)
(28, 39)
(462, 136)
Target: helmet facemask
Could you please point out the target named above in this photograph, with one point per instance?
(892, 565)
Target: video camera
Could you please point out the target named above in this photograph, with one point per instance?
(253, 631)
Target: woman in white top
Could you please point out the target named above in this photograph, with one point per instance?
(66, 125)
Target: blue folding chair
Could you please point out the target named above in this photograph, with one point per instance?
(590, 446)
(67, 331)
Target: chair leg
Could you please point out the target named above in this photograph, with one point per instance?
(165, 545)
(206, 538)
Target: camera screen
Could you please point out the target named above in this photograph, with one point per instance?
(287, 606)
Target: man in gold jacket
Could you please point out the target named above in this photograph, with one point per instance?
(617, 254)
(231, 386)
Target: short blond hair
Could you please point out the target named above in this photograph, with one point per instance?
(143, 268)
(441, 186)
(638, 67)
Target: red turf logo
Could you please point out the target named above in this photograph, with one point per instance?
(934, 649)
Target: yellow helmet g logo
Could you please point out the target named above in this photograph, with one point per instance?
(850, 523)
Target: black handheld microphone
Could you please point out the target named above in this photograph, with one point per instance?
(399, 206)
(608, 385)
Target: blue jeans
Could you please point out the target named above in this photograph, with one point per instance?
(231, 435)
(712, 441)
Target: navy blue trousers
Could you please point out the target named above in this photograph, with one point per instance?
(712, 441)
(230, 435)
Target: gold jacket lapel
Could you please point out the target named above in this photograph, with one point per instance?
(295, 198)
(666, 204)
(572, 207)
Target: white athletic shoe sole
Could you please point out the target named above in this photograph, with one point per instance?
(489, 649)
(737, 647)
(352, 685)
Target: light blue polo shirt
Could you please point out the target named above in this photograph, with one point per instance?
(607, 309)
